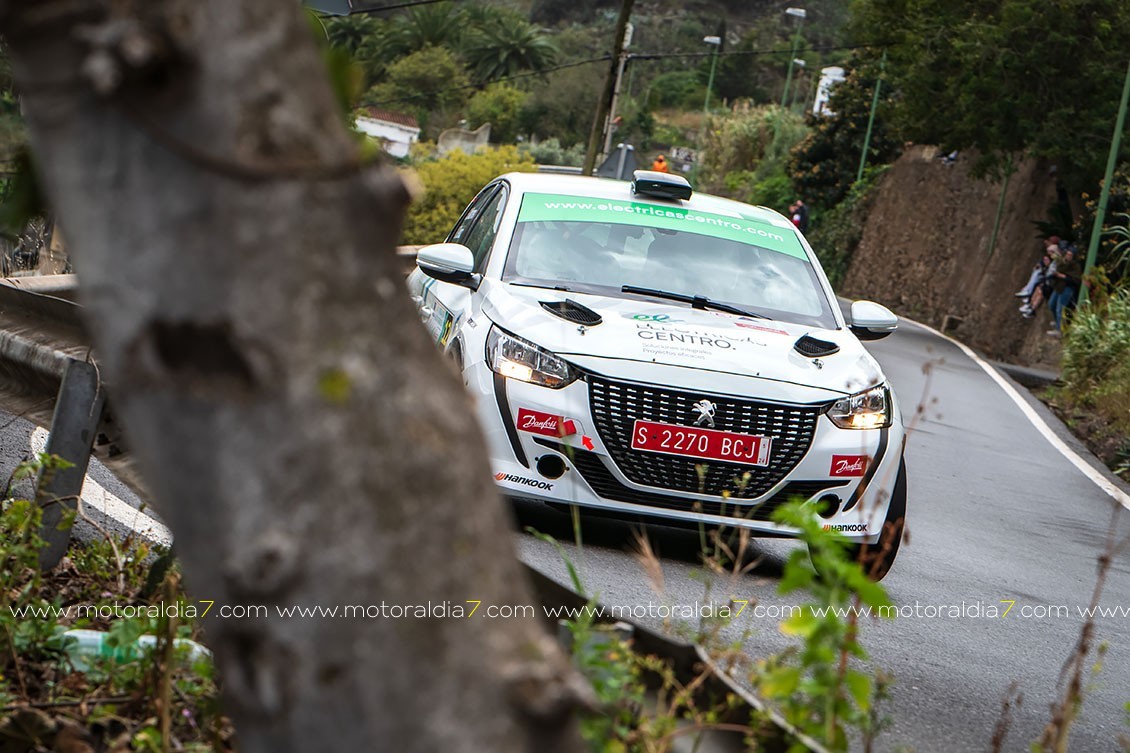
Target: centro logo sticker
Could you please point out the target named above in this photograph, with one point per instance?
(675, 337)
(534, 483)
(848, 465)
(847, 527)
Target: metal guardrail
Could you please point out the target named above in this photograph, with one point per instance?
(48, 374)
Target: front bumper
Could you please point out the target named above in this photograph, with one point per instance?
(716, 494)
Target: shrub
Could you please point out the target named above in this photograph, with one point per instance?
(500, 105)
(836, 233)
(744, 156)
(825, 164)
(449, 185)
(550, 152)
(1097, 348)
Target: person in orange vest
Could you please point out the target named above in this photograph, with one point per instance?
(660, 164)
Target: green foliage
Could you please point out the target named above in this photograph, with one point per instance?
(508, 45)
(41, 666)
(562, 107)
(501, 106)
(1113, 255)
(1009, 77)
(449, 185)
(836, 233)
(824, 165)
(745, 156)
(1096, 351)
(430, 80)
(677, 89)
(432, 25)
(550, 152)
(351, 33)
(817, 686)
(21, 198)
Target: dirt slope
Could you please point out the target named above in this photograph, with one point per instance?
(924, 253)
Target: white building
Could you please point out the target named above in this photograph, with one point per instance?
(396, 131)
(829, 77)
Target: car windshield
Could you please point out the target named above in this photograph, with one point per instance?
(591, 246)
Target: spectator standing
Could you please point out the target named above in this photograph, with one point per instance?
(1066, 279)
(660, 165)
(798, 213)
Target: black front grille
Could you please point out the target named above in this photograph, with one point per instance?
(617, 405)
(596, 475)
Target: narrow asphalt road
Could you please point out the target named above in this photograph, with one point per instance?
(996, 515)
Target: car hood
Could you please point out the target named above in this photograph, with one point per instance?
(675, 334)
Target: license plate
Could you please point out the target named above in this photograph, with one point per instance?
(709, 444)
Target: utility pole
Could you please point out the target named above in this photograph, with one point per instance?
(1104, 196)
(609, 86)
(623, 60)
(871, 119)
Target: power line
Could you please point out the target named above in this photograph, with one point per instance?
(661, 55)
(398, 6)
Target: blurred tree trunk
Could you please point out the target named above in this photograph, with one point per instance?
(300, 434)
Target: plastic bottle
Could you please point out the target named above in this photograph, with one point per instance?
(92, 643)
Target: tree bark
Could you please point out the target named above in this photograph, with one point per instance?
(302, 437)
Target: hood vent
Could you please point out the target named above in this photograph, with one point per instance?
(571, 311)
(812, 348)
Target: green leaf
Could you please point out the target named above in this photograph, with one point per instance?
(781, 682)
(23, 199)
(860, 687)
(802, 623)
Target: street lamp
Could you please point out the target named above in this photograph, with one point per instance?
(798, 13)
(799, 63)
(716, 42)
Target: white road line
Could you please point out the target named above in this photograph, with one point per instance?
(99, 499)
(1034, 418)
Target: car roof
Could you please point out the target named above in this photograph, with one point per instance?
(606, 188)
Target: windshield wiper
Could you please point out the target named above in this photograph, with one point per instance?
(566, 288)
(696, 301)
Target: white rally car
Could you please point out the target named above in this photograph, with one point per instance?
(640, 351)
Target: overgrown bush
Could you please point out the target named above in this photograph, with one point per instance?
(744, 156)
(824, 165)
(550, 152)
(500, 105)
(835, 234)
(450, 183)
(1096, 360)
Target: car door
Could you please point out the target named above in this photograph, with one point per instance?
(444, 306)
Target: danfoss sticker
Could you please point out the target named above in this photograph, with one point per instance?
(849, 465)
(546, 424)
(531, 482)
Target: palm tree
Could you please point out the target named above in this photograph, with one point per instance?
(507, 45)
(438, 25)
(350, 33)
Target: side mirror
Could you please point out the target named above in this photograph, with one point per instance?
(870, 321)
(449, 262)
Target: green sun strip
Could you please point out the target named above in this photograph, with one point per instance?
(540, 207)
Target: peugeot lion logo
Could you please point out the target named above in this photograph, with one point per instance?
(705, 410)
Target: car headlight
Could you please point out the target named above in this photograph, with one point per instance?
(870, 409)
(518, 359)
